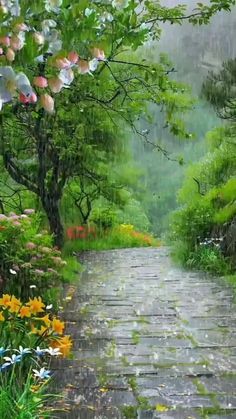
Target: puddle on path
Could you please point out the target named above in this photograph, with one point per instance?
(150, 341)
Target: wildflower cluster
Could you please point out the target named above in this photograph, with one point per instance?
(81, 232)
(139, 239)
(28, 258)
(31, 323)
(212, 242)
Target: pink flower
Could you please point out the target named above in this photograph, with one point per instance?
(5, 40)
(38, 271)
(83, 67)
(33, 98)
(10, 54)
(73, 57)
(47, 103)
(52, 271)
(40, 81)
(16, 223)
(29, 211)
(99, 54)
(30, 246)
(21, 27)
(16, 43)
(62, 63)
(39, 38)
(55, 84)
(23, 98)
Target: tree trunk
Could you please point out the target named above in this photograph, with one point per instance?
(51, 207)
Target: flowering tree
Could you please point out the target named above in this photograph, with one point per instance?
(61, 58)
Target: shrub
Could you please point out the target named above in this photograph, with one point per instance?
(28, 259)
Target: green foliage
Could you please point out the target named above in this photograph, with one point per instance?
(202, 227)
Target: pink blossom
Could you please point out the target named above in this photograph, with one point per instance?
(55, 84)
(73, 57)
(10, 54)
(21, 27)
(99, 54)
(29, 211)
(40, 81)
(16, 223)
(30, 245)
(38, 271)
(83, 66)
(16, 43)
(33, 98)
(5, 40)
(23, 98)
(1, 51)
(47, 103)
(62, 63)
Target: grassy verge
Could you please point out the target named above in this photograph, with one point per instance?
(122, 236)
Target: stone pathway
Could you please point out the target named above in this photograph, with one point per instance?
(150, 341)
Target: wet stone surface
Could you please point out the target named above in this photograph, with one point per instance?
(150, 341)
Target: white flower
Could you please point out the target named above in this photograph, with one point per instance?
(53, 351)
(33, 286)
(53, 5)
(11, 360)
(23, 351)
(66, 76)
(49, 307)
(12, 272)
(93, 64)
(42, 373)
(120, 4)
(88, 12)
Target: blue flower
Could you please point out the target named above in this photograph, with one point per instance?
(39, 351)
(42, 373)
(3, 351)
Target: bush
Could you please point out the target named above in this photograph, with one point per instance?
(28, 259)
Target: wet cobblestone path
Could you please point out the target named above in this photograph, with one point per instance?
(150, 341)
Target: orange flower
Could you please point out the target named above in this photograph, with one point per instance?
(64, 344)
(14, 305)
(58, 326)
(24, 312)
(2, 318)
(5, 300)
(36, 305)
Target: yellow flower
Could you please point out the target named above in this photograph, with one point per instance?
(45, 319)
(5, 300)
(40, 331)
(2, 318)
(64, 344)
(58, 326)
(36, 305)
(14, 305)
(24, 312)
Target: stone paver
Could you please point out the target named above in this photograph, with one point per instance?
(150, 341)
